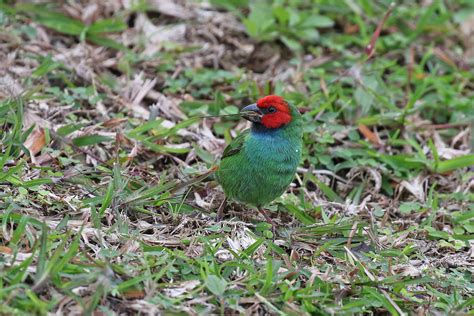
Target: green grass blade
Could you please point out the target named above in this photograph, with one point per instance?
(455, 163)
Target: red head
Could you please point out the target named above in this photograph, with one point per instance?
(271, 111)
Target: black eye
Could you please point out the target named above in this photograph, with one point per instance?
(271, 109)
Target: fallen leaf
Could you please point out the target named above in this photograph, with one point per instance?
(35, 141)
(7, 250)
(157, 36)
(114, 122)
(133, 294)
(407, 270)
(171, 8)
(182, 288)
(415, 186)
(371, 136)
(43, 159)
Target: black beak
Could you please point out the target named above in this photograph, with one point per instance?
(252, 113)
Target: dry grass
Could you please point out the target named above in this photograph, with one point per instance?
(105, 116)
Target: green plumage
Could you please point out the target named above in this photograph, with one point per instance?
(260, 163)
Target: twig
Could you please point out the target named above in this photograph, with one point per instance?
(352, 234)
(370, 49)
(324, 172)
(66, 140)
(269, 304)
(373, 279)
(444, 126)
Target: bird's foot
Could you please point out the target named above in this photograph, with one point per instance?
(269, 221)
(220, 210)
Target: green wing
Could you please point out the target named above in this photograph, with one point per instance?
(235, 145)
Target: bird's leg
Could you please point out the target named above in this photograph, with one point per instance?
(269, 220)
(220, 210)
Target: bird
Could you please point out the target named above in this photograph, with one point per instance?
(260, 163)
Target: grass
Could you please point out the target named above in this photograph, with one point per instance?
(106, 110)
